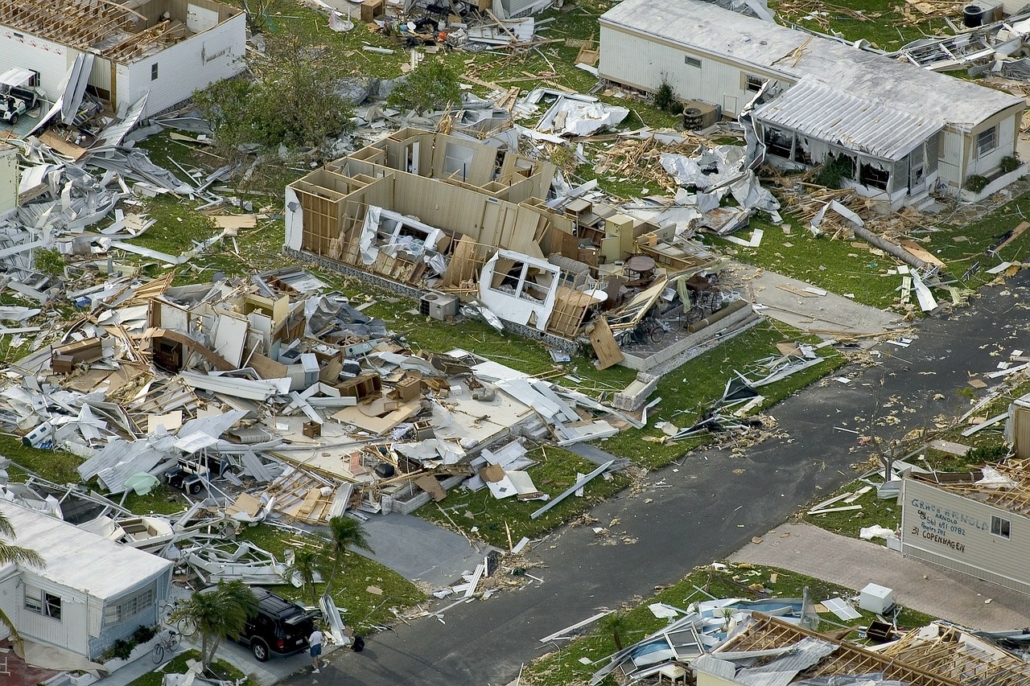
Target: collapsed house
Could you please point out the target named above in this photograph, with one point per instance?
(467, 221)
(170, 48)
(91, 592)
(900, 131)
(971, 522)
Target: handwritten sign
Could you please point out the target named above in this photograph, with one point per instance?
(945, 527)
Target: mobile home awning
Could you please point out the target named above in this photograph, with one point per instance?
(833, 116)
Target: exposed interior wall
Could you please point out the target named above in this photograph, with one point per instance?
(178, 10)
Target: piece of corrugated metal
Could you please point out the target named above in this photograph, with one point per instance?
(836, 116)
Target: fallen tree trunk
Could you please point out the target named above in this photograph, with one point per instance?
(889, 247)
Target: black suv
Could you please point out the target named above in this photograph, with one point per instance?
(278, 626)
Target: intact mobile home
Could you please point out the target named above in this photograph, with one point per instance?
(904, 130)
(91, 593)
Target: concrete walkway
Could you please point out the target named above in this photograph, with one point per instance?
(419, 550)
(769, 293)
(850, 562)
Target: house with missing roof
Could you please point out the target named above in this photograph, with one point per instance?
(904, 131)
(169, 48)
(91, 592)
(977, 522)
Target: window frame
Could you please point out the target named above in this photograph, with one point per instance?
(692, 61)
(981, 151)
(153, 71)
(119, 611)
(43, 603)
(1002, 528)
(753, 83)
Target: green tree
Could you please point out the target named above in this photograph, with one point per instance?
(308, 565)
(218, 612)
(12, 554)
(293, 103)
(343, 532)
(616, 623)
(433, 86)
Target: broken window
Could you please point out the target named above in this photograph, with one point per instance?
(1000, 527)
(519, 279)
(691, 61)
(153, 72)
(129, 607)
(986, 141)
(42, 603)
(754, 83)
(801, 153)
(873, 176)
(779, 143)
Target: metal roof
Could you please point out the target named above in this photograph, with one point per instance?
(706, 28)
(78, 559)
(832, 115)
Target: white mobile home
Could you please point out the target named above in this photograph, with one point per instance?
(904, 130)
(170, 48)
(977, 523)
(91, 593)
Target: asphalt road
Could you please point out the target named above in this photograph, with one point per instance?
(701, 509)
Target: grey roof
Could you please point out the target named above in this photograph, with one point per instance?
(826, 113)
(806, 653)
(78, 559)
(709, 29)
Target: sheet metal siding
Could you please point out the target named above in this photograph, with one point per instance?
(1006, 146)
(182, 68)
(8, 601)
(51, 60)
(966, 523)
(713, 82)
(110, 634)
(71, 631)
(100, 74)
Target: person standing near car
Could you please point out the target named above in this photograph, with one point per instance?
(315, 641)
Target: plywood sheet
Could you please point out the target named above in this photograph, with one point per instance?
(921, 253)
(603, 342)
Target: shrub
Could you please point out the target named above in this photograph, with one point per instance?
(976, 183)
(433, 86)
(1009, 163)
(676, 107)
(986, 453)
(836, 169)
(120, 649)
(49, 261)
(143, 633)
(663, 97)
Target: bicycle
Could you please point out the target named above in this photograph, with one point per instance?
(185, 625)
(166, 641)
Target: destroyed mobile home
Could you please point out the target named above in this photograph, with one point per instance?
(721, 641)
(454, 221)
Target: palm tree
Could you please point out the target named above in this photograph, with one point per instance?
(308, 565)
(616, 623)
(218, 612)
(12, 554)
(344, 532)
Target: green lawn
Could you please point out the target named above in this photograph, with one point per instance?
(360, 608)
(735, 581)
(555, 473)
(177, 665)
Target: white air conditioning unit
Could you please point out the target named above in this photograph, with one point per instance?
(438, 305)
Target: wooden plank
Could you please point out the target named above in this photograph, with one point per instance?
(603, 342)
(921, 253)
(1016, 233)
